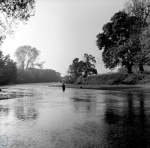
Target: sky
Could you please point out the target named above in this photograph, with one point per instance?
(63, 30)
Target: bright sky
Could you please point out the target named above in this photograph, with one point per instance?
(63, 30)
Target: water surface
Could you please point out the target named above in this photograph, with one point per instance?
(42, 116)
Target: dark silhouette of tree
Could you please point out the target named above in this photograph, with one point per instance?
(89, 65)
(8, 70)
(119, 41)
(75, 69)
(83, 68)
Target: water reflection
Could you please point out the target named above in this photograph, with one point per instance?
(24, 114)
(4, 110)
(83, 103)
(77, 117)
(128, 122)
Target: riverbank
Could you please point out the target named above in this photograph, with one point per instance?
(102, 87)
(145, 87)
(133, 88)
(115, 79)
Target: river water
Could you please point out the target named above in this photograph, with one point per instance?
(42, 116)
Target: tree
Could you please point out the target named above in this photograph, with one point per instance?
(34, 75)
(27, 57)
(144, 55)
(83, 68)
(89, 65)
(8, 70)
(17, 9)
(12, 12)
(118, 41)
(140, 9)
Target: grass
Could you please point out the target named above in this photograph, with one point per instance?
(116, 79)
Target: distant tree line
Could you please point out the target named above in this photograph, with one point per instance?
(34, 75)
(26, 69)
(30, 69)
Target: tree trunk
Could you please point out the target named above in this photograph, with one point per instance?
(141, 69)
(129, 67)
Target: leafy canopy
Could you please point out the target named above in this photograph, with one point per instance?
(116, 40)
(12, 12)
(83, 67)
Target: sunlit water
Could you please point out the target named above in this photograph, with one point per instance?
(42, 116)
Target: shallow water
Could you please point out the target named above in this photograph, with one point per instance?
(42, 116)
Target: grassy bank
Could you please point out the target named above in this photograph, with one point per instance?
(132, 88)
(116, 79)
(103, 87)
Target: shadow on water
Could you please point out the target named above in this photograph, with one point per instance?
(128, 120)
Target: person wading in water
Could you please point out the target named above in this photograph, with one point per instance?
(63, 87)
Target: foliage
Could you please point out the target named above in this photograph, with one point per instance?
(68, 79)
(107, 79)
(83, 68)
(89, 65)
(122, 38)
(34, 75)
(144, 55)
(17, 9)
(115, 41)
(115, 79)
(141, 10)
(26, 57)
(30, 70)
(133, 78)
(8, 70)
(12, 12)
(80, 80)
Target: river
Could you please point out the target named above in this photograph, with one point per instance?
(43, 116)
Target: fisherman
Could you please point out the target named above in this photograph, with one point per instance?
(63, 87)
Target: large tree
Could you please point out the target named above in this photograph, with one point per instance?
(141, 10)
(118, 41)
(27, 57)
